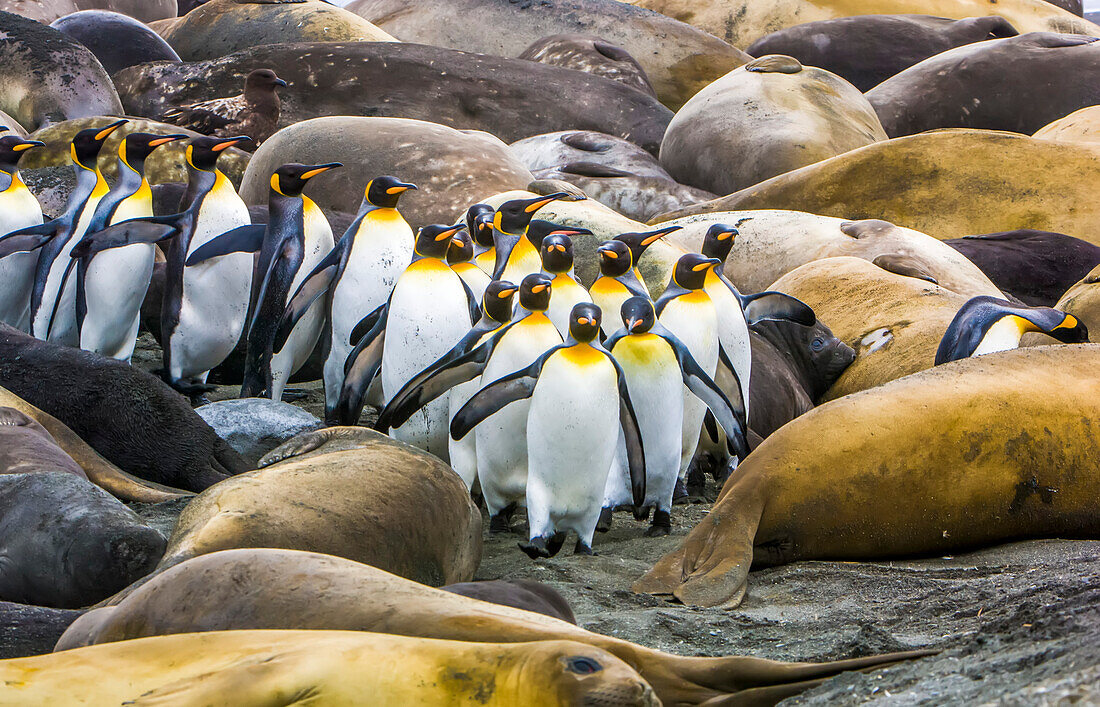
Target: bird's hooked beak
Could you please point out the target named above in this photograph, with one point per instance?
(279, 82)
(632, 324)
(401, 188)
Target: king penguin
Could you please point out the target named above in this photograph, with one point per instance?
(578, 404)
(618, 280)
(638, 244)
(557, 262)
(112, 285)
(18, 209)
(479, 224)
(53, 296)
(657, 367)
(460, 256)
(985, 325)
(516, 255)
(356, 277)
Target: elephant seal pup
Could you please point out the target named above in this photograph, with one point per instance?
(1080, 126)
(582, 52)
(551, 150)
(868, 49)
(26, 447)
(283, 589)
(800, 115)
(326, 668)
(67, 543)
(46, 77)
(969, 454)
(130, 417)
(366, 502)
(116, 40)
(1036, 267)
(925, 182)
(523, 594)
(1018, 84)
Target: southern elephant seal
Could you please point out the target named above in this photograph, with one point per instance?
(799, 115)
(129, 416)
(582, 52)
(48, 77)
(634, 196)
(1018, 84)
(26, 447)
(968, 454)
(1082, 300)
(868, 49)
(273, 589)
(1077, 7)
(1036, 267)
(46, 11)
(946, 183)
(551, 150)
(116, 40)
(31, 630)
(525, 594)
(451, 169)
(742, 22)
(67, 543)
(510, 98)
(772, 243)
(1079, 126)
(366, 502)
(677, 58)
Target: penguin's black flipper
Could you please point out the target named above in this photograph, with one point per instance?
(777, 306)
(313, 287)
(361, 367)
(730, 415)
(25, 240)
(493, 397)
(711, 426)
(120, 235)
(242, 239)
(632, 434)
(365, 325)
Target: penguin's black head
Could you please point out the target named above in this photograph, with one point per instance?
(261, 80)
(638, 315)
(638, 242)
(433, 241)
(203, 152)
(12, 148)
(497, 300)
(385, 191)
(719, 240)
(557, 253)
(479, 222)
(513, 216)
(615, 258)
(461, 249)
(691, 270)
(534, 292)
(291, 179)
(1071, 331)
(539, 229)
(136, 147)
(87, 143)
(584, 322)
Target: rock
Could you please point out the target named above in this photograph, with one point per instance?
(255, 426)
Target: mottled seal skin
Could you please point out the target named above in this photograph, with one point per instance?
(1077, 7)
(637, 197)
(67, 543)
(868, 49)
(1036, 267)
(973, 453)
(31, 630)
(26, 447)
(1017, 84)
(116, 40)
(46, 11)
(582, 52)
(551, 150)
(523, 594)
(677, 58)
(1080, 126)
(509, 98)
(46, 77)
(130, 417)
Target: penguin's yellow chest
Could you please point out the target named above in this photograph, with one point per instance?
(695, 298)
(642, 350)
(582, 356)
(427, 267)
(384, 218)
(533, 321)
(465, 268)
(137, 205)
(608, 287)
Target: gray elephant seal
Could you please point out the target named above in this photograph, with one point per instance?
(582, 52)
(26, 447)
(117, 40)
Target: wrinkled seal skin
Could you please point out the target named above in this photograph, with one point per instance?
(969, 454)
(46, 11)
(129, 416)
(550, 150)
(582, 52)
(634, 196)
(868, 49)
(509, 98)
(67, 543)
(46, 77)
(116, 40)
(26, 447)
(523, 594)
(677, 58)
(282, 589)
(31, 630)
(1017, 84)
(1036, 267)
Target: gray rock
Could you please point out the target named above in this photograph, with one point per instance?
(255, 426)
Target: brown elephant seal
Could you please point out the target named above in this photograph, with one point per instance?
(327, 668)
(1082, 300)
(865, 50)
(634, 196)
(800, 115)
(551, 150)
(926, 182)
(509, 98)
(969, 454)
(1081, 126)
(282, 589)
(677, 58)
(523, 594)
(46, 77)
(26, 447)
(116, 40)
(222, 27)
(742, 22)
(130, 417)
(366, 503)
(452, 169)
(770, 244)
(1018, 84)
(582, 52)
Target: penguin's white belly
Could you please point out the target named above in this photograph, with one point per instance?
(733, 332)
(463, 452)
(1002, 336)
(18, 209)
(501, 439)
(114, 287)
(572, 432)
(61, 328)
(692, 320)
(609, 294)
(474, 278)
(566, 293)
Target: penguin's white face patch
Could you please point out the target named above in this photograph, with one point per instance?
(876, 340)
